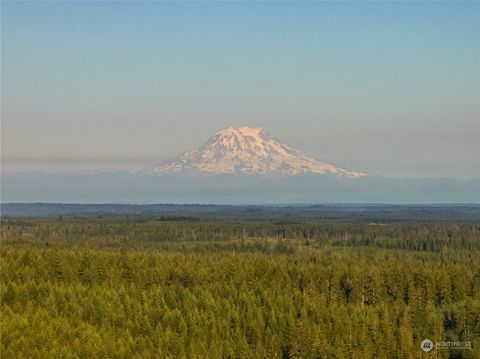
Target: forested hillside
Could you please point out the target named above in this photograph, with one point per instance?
(188, 288)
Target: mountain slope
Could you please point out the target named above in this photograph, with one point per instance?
(246, 150)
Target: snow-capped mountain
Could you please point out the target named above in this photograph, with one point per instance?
(245, 150)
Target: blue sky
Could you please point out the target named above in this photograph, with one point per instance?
(384, 87)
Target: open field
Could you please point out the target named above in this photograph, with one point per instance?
(104, 287)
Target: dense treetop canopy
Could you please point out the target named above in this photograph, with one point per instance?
(123, 288)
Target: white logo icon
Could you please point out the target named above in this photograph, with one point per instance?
(426, 345)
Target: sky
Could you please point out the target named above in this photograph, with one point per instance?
(389, 88)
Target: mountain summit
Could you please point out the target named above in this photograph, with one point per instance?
(245, 150)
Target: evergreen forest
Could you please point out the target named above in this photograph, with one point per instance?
(204, 288)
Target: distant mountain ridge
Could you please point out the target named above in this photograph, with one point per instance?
(250, 151)
(236, 166)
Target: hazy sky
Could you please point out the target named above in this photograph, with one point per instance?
(389, 88)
